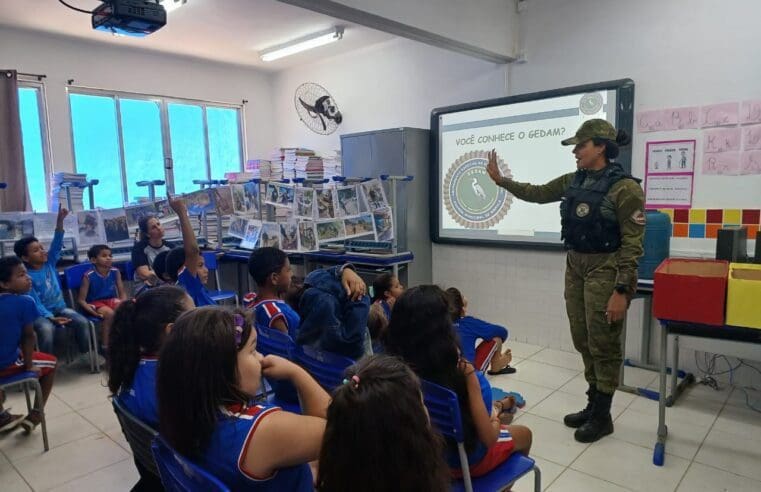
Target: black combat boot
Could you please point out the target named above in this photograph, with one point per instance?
(600, 424)
(575, 420)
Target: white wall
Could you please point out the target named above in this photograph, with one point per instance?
(387, 85)
(680, 52)
(486, 24)
(105, 66)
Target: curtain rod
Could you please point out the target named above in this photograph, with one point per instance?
(37, 76)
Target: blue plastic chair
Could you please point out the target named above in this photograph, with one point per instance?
(328, 369)
(275, 342)
(179, 474)
(73, 276)
(444, 411)
(26, 380)
(139, 436)
(210, 259)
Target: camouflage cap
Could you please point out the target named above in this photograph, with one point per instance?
(590, 129)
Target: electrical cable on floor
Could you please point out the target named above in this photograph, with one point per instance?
(709, 370)
(75, 8)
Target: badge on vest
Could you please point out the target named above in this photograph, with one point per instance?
(582, 210)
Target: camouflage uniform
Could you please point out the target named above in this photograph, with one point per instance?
(591, 277)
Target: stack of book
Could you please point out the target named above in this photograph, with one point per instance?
(332, 165)
(294, 158)
(243, 177)
(58, 193)
(254, 167)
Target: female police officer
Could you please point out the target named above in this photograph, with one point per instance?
(603, 225)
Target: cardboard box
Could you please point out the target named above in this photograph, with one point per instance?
(691, 290)
(744, 295)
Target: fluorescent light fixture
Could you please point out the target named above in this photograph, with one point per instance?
(170, 5)
(302, 44)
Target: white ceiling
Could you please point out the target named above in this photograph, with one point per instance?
(230, 31)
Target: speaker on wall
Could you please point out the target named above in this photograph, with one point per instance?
(732, 244)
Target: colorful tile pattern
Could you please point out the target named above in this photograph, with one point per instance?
(705, 223)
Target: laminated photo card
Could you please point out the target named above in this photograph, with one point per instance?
(251, 236)
(200, 202)
(359, 225)
(115, 225)
(237, 227)
(90, 228)
(384, 224)
(304, 203)
(326, 203)
(270, 235)
(223, 199)
(307, 236)
(375, 196)
(347, 199)
(137, 212)
(289, 236)
(330, 230)
(245, 198)
(279, 195)
(15, 225)
(164, 212)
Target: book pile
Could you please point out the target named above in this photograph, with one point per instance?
(332, 165)
(58, 193)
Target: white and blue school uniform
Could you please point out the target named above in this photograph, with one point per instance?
(195, 289)
(102, 287)
(140, 399)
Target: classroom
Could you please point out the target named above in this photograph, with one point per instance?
(292, 245)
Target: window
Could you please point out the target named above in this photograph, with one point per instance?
(122, 138)
(34, 140)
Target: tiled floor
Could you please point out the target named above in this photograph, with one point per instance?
(712, 444)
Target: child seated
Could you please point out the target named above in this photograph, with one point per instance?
(378, 433)
(376, 325)
(334, 311)
(185, 265)
(208, 376)
(17, 339)
(101, 290)
(137, 334)
(421, 333)
(159, 268)
(470, 329)
(271, 270)
(386, 289)
(51, 307)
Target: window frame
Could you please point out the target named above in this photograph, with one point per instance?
(42, 109)
(163, 104)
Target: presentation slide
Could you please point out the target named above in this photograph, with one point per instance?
(526, 136)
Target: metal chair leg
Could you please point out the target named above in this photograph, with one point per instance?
(26, 394)
(537, 479)
(94, 362)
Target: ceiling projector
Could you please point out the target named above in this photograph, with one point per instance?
(129, 17)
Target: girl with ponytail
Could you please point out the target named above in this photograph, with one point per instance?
(138, 331)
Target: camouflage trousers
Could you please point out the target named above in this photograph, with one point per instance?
(589, 282)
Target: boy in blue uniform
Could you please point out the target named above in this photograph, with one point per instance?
(271, 270)
(18, 312)
(52, 309)
(185, 265)
(102, 289)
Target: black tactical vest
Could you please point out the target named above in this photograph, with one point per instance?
(584, 229)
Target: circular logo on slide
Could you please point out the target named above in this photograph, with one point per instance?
(590, 103)
(470, 196)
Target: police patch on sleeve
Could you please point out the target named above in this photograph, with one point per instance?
(638, 217)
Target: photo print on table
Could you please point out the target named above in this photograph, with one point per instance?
(200, 201)
(330, 230)
(304, 203)
(347, 199)
(15, 225)
(307, 236)
(384, 224)
(115, 225)
(90, 228)
(326, 203)
(251, 236)
(270, 235)
(279, 195)
(237, 227)
(359, 225)
(375, 195)
(137, 212)
(223, 199)
(289, 236)
(164, 212)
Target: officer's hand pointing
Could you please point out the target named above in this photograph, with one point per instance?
(492, 168)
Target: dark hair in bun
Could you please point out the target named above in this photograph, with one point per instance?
(612, 147)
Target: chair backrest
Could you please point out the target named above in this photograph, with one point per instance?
(139, 436)
(271, 341)
(129, 271)
(328, 369)
(73, 275)
(210, 260)
(443, 409)
(179, 474)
